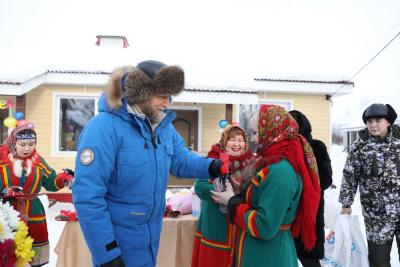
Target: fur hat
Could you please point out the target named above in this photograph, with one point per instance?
(149, 78)
(380, 111)
(305, 128)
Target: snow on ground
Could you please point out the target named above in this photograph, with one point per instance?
(332, 208)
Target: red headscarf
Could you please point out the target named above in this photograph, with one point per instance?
(219, 148)
(279, 139)
(10, 142)
(242, 166)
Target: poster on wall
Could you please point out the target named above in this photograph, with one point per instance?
(245, 111)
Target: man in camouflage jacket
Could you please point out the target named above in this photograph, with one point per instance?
(373, 164)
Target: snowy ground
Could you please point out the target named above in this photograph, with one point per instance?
(331, 195)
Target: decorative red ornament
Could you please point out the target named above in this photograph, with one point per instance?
(7, 253)
(224, 157)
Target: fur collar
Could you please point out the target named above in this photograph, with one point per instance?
(18, 167)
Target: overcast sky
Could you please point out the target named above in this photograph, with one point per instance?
(284, 38)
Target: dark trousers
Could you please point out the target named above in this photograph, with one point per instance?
(310, 262)
(379, 254)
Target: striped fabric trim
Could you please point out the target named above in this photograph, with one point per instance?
(212, 243)
(249, 194)
(40, 244)
(260, 177)
(6, 176)
(240, 248)
(35, 184)
(197, 234)
(252, 224)
(37, 218)
(46, 168)
(255, 181)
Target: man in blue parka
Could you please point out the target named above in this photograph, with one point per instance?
(124, 158)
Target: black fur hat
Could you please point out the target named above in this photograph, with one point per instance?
(380, 111)
(148, 78)
(305, 128)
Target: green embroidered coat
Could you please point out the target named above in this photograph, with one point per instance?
(264, 238)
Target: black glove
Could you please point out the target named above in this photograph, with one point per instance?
(215, 168)
(69, 171)
(220, 167)
(117, 262)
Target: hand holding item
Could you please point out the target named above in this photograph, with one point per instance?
(219, 167)
(14, 190)
(222, 198)
(346, 211)
(66, 178)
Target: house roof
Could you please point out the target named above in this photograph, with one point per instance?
(191, 93)
(311, 85)
(211, 83)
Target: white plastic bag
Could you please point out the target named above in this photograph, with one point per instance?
(332, 207)
(359, 255)
(344, 246)
(196, 206)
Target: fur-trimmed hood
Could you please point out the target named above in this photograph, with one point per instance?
(148, 78)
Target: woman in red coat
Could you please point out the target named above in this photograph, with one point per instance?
(214, 240)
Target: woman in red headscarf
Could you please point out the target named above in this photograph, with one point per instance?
(282, 196)
(214, 239)
(23, 173)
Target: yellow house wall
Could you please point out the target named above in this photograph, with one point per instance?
(315, 107)
(40, 112)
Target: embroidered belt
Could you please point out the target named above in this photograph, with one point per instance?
(285, 227)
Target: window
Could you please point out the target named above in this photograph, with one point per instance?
(244, 113)
(72, 114)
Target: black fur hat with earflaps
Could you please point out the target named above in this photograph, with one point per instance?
(148, 78)
(380, 111)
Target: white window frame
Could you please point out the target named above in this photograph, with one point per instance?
(199, 121)
(281, 102)
(56, 122)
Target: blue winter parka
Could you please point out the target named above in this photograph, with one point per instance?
(121, 174)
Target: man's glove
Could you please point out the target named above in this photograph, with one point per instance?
(219, 167)
(117, 262)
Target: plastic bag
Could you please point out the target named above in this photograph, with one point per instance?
(181, 201)
(196, 206)
(332, 207)
(344, 245)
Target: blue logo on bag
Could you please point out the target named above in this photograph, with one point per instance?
(353, 246)
(331, 240)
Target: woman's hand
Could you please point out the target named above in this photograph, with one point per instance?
(223, 197)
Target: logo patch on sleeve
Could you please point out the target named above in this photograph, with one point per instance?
(87, 156)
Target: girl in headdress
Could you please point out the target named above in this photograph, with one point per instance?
(23, 172)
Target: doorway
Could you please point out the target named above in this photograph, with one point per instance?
(187, 124)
